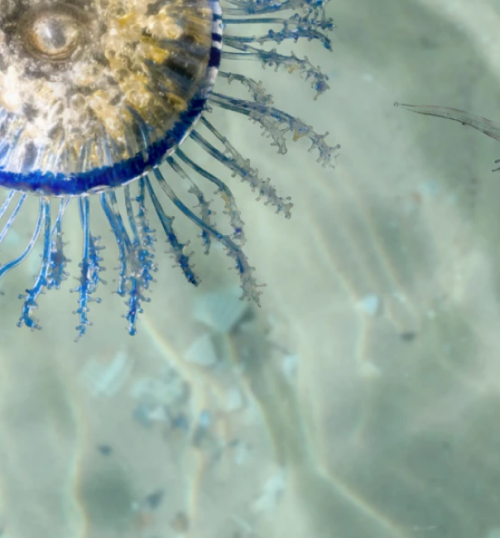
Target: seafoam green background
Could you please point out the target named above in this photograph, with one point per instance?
(362, 399)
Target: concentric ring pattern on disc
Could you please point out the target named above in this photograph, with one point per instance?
(93, 93)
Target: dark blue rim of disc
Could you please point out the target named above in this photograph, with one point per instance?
(109, 177)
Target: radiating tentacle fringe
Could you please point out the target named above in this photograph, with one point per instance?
(136, 262)
(178, 249)
(205, 211)
(231, 208)
(271, 120)
(128, 217)
(242, 266)
(309, 23)
(239, 166)
(257, 89)
(272, 58)
(315, 8)
(295, 27)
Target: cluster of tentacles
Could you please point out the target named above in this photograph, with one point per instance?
(134, 235)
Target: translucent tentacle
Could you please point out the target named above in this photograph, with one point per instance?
(272, 119)
(4, 269)
(124, 246)
(146, 234)
(276, 124)
(257, 90)
(30, 303)
(6, 203)
(247, 279)
(205, 211)
(12, 217)
(261, 7)
(294, 28)
(241, 167)
(58, 261)
(231, 208)
(135, 268)
(122, 240)
(250, 7)
(90, 268)
(488, 127)
(178, 249)
(130, 215)
(272, 58)
(143, 240)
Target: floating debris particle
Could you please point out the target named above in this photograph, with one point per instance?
(272, 493)
(202, 351)
(234, 400)
(153, 500)
(141, 414)
(290, 366)
(370, 304)
(105, 450)
(106, 379)
(408, 336)
(180, 422)
(158, 391)
(180, 523)
(220, 310)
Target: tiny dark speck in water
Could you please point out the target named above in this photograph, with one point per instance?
(105, 450)
(154, 499)
(408, 336)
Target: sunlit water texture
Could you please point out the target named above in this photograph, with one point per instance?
(361, 399)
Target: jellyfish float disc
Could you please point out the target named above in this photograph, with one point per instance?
(94, 93)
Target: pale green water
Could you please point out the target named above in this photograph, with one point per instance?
(362, 399)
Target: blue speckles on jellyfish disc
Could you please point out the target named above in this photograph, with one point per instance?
(95, 93)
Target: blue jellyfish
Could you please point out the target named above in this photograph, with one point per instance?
(95, 95)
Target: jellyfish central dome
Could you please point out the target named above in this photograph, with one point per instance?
(94, 93)
(53, 32)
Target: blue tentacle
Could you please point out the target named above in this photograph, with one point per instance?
(143, 238)
(245, 271)
(90, 267)
(204, 205)
(6, 203)
(262, 7)
(136, 263)
(4, 269)
(272, 58)
(178, 248)
(231, 208)
(30, 303)
(58, 260)
(12, 217)
(277, 123)
(241, 167)
(295, 27)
